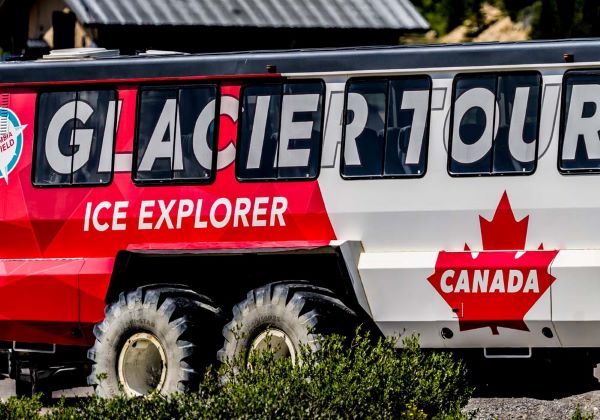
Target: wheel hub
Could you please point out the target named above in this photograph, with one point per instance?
(142, 365)
(276, 341)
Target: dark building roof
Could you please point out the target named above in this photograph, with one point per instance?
(339, 14)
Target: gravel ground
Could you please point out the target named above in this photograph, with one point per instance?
(530, 408)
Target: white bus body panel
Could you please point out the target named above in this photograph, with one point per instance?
(404, 223)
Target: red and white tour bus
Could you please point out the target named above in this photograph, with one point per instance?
(160, 212)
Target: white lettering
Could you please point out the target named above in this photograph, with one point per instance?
(257, 137)
(229, 106)
(106, 153)
(277, 210)
(86, 219)
(578, 125)
(185, 209)
(120, 215)
(474, 98)
(531, 283)
(498, 282)
(157, 147)
(293, 130)
(515, 281)
(523, 152)
(100, 227)
(164, 214)
(225, 216)
(476, 281)
(244, 212)
(65, 164)
(145, 213)
(462, 285)
(480, 281)
(357, 104)
(418, 101)
(259, 211)
(447, 288)
(242, 208)
(199, 224)
(202, 152)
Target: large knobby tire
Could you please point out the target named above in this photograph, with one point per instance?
(285, 316)
(154, 339)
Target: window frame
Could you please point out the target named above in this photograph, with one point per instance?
(459, 76)
(319, 149)
(562, 122)
(425, 144)
(178, 181)
(36, 139)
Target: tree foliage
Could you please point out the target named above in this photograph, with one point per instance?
(445, 15)
(550, 19)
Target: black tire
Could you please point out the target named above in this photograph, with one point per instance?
(183, 327)
(301, 311)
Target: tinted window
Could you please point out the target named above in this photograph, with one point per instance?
(259, 132)
(579, 147)
(280, 131)
(515, 145)
(75, 137)
(472, 124)
(407, 127)
(364, 131)
(494, 122)
(176, 134)
(196, 114)
(156, 134)
(386, 127)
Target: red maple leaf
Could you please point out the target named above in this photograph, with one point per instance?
(503, 232)
(498, 286)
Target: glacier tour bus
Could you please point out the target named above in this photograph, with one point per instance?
(149, 205)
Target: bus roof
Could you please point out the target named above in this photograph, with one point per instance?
(438, 56)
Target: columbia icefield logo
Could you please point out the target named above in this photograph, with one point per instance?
(11, 141)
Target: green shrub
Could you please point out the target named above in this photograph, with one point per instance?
(580, 415)
(20, 408)
(366, 379)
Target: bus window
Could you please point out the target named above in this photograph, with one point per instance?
(386, 127)
(156, 136)
(196, 115)
(75, 137)
(280, 131)
(364, 130)
(407, 127)
(300, 131)
(495, 124)
(579, 146)
(176, 134)
(259, 132)
(472, 124)
(515, 145)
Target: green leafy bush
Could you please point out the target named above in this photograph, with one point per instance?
(364, 379)
(580, 415)
(20, 408)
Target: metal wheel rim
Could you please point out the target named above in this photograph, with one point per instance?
(277, 341)
(142, 365)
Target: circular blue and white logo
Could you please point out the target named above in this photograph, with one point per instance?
(11, 141)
